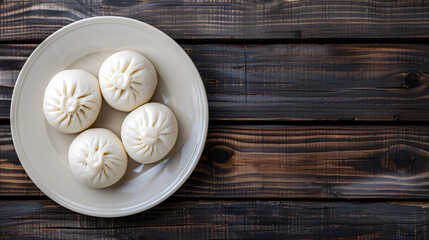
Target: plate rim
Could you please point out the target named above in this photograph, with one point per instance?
(174, 185)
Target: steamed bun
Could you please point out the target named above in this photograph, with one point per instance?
(127, 80)
(97, 158)
(149, 132)
(72, 101)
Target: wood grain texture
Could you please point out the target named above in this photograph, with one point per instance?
(315, 82)
(313, 162)
(28, 20)
(336, 162)
(221, 220)
(13, 179)
(293, 82)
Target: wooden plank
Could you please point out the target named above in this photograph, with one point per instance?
(294, 82)
(13, 180)
(289, 162)
(222, 220)
(316, 82)
(12, 58)
(28, 20)
(313, 162)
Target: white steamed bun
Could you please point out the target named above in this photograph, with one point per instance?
(127, 80)
(72, 101)
(97, 158)
(149, 132)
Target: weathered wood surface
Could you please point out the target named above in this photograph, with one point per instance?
(336, 162)
(371, 82)
(245, 167)
(222, 220)
(304, 19)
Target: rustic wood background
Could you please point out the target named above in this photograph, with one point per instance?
(318, 120)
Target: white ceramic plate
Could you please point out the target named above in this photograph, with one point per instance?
(43, 151)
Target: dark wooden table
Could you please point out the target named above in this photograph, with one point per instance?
(318, 120)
